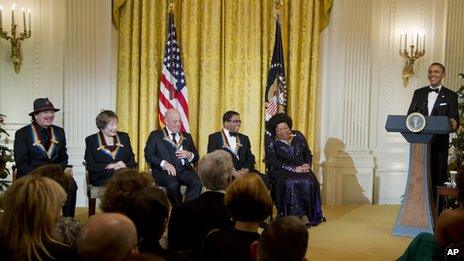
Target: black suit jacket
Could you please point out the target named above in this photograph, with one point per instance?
(191, 221)
(445, 105)
(158, 149)
(245, 159)
(97, 159)
(28, 156)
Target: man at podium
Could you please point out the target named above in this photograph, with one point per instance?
(437, 100)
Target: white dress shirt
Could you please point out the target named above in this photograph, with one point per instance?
(231, 139)
(180, 148)
(432, 98)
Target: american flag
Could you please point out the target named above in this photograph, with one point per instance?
(173, 89)
(275, 98)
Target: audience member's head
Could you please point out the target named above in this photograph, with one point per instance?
(55, 172)
(107, 236)
(32, 205)
(247, 199)
(215, 170)
(149, 211)
(121, 189)
(284, 239)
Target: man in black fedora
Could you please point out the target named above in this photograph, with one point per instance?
(42, 143)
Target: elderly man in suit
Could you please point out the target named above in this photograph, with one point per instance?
(437, 100)
(171, 154)
(235, 143)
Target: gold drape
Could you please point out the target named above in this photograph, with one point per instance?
(226, 51)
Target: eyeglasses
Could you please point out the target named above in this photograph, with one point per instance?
(236, 121)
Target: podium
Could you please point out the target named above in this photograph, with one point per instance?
(415, 214)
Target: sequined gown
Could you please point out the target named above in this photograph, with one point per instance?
(294, 193)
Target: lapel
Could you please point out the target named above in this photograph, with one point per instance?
(37, 142)
(440, 99)
(226, 145)
(171, 146)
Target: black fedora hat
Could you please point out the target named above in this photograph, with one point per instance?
(42, 104)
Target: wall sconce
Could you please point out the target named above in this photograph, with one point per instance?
(15, 41)
(412, 55)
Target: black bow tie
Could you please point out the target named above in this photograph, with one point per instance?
(434, 90)
(233, 134)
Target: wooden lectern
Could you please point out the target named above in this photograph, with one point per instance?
(415, 214)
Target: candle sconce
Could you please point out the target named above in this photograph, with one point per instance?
(15, 40)
(412, 55)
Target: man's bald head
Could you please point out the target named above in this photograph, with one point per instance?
(107, 236)
(172, 120)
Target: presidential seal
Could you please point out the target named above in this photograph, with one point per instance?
(415, 122)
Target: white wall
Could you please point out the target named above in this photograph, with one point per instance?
(361, 84)
(70, 58)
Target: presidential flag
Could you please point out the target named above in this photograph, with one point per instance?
(173, 89)
(275, 99)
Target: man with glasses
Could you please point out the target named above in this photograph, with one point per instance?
(237, 144)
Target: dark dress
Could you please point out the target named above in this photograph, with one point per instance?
(229, 246)
(98, 155)
(296, 194)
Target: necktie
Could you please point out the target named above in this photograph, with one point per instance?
(433, 90)
(174, 137)
(233, 134)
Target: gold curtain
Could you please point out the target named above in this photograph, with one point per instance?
(226, 51)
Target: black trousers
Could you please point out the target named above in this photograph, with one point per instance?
(69, 208)
(439, 163)
(172, 184)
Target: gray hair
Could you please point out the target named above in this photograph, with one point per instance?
(215, 170)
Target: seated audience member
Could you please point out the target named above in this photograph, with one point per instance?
(121, 189)
(249, 203)
(149, 211)
(28, 229)
(61, 175)
(449, 230)
(288, 158)
(192, 220)
(284, 239)
(134, 195)
(107, 236)
(42, 143)
(107, 150)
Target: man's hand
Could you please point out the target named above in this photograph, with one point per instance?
(239, 173)
(111, 166)
(454, 124)
(68, 172)
(183, 154)
(119, 165)
(170, 169)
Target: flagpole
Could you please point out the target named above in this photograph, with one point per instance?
(278, 4)
(171, 6)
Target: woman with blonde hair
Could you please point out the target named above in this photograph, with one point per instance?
(32, 205)
(248, 201)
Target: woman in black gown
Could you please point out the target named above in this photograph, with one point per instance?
(288, 160)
